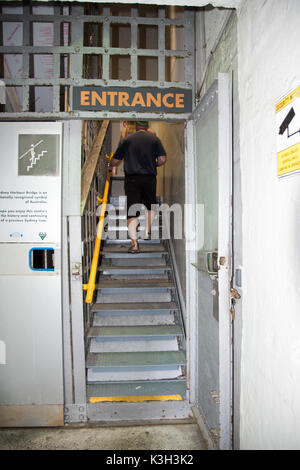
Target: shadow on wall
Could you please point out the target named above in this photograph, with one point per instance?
(171, 182)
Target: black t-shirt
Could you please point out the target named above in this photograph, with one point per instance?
(139, 151)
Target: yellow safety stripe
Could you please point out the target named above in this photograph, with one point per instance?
(136, 399)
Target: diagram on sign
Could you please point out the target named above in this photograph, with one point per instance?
(34, 156)
(38, 155)
(288, 134)
(286, 123)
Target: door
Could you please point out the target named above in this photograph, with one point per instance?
(31, 377)
(213, 157)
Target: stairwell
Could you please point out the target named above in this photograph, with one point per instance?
(136, 344)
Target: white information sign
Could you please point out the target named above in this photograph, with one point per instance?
(30, 183)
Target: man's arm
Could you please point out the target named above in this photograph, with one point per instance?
(161, 160)
(114, 162)
(117, 157)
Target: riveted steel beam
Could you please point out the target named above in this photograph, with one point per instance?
(79, 50)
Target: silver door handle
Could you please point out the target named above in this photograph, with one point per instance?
(207, 261)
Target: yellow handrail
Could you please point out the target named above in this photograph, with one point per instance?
(90, 287)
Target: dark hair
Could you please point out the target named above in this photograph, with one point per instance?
(143, 124)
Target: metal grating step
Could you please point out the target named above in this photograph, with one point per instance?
(133, 344)
(159, 261)
(133, 269)
(124, 228)
(128, 241)
(138, 389)
(142, 360)
(136, 284)
(146, 248)
(130, 256)
(141, 255)
(148, 332)
(123, 374)
(120, 276)
(135, 308)
(133, 319)
(139, 295)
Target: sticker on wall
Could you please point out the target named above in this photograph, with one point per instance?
(42, 235)
(288, 134)
(38, 155)
(16, 235)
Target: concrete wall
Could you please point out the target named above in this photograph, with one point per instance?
(171, 179)
(268, 68)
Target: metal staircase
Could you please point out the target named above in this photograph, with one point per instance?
(136, 344)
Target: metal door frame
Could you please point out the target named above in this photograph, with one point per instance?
(221, 90)
(72, 298)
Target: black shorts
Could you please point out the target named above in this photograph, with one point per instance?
(140, 189)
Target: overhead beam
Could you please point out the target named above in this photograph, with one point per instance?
(189, 3)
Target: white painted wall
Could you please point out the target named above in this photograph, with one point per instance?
(268, 56)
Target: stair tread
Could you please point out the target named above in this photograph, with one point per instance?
(132, 268)
(131, 359)
(130, 331)
(134, 283)
(134, 306)
(141, 255)
(148, 248)
(137, 388)
(142, 241)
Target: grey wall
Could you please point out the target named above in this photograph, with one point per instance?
(171, 182)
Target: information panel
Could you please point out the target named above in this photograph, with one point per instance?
(30, 196)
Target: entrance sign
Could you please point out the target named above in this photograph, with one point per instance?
(288, 134)
(171, 100)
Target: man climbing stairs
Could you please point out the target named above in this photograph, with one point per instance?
(136, 343)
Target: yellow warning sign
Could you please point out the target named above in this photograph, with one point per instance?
(288, 99)
(288, 133)
(289, 160)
